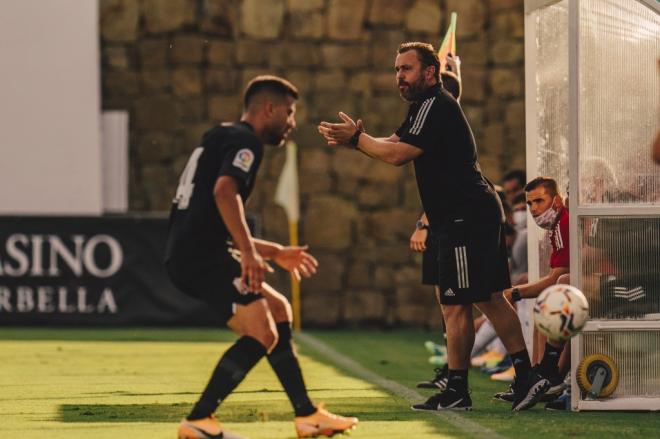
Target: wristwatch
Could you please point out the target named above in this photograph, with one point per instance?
(515, 294)
(420, 225)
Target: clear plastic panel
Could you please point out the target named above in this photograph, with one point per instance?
(552, 103)
(619, 45)
(636, 354)
(621, 266)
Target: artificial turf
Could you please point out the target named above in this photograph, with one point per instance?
(138, 383)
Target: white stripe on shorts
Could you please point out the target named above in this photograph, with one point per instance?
(462, 267)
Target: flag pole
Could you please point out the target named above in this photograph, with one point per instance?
(295, 285)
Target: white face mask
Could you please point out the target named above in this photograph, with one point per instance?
(520, 219)
(547, 219)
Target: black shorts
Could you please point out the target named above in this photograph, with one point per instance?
(472, 261)
(430, 261)
(215, 282)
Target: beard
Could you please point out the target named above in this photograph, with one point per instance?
(414, 91)
(276, 135)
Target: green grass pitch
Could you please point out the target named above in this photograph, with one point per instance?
(138, 383)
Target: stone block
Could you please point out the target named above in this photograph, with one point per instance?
(188, 49)
(474, 83)
(301, 78)
(424, 16)
(294, 54)
(321, 309)
(121, 83)
(153, 53)
(328, 222)
(364, 306)
(346, 18)
(252, 53)
(382, 173)
(508, 52)
(166, 16)
(384, 113)
(472, 17)
(191, 109)
(304, 5)
(221, 53)
(347, 163)
(360, 82)
(156, 146)
(306, 24)
(186, 81)
(155, 113)
(155, 80)
(223, 81)
(348, 186)
(377, 195)
(115, 58)
(391, 225)
(225, 108)
(220, 17)
(384, 277)
(314, 160)
(159, 184)
(314, 184)
(384, 45)
(262, 20)
(508, 24)
(515, 117)
(329, 276)
(351, 56)
(507, 82)
(473, 53)
(384, 82)
(328, 104)
(493, 139)
(119, 20)
(411, 196)
(498, 5)
(388, 12)
(359, 275)
(330, 80)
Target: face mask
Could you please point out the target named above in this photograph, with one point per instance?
(547, 219)
(520, 219)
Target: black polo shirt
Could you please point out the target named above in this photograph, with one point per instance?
(197, 231)
(449, 178)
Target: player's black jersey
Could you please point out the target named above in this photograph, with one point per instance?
(196, 227)
(448, 176)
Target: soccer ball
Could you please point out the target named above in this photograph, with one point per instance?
(560, 312)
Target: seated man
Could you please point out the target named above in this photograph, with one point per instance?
(546, 206)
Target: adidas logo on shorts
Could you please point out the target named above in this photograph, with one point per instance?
(450, 293)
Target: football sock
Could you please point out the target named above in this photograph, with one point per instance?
(230, 371)
(458, 380)
(550, 361)
(284, 362)
(521, 364)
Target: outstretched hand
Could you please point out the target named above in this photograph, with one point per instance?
(297, 261)
(340, 133)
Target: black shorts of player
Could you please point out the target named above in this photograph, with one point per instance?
(472, 261)
(430, 261)
(215, 282)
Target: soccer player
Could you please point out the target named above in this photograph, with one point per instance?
(464, 213)
(212, 256)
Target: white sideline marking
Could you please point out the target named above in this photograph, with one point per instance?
(461, 422)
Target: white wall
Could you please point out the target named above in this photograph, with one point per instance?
(49, 107)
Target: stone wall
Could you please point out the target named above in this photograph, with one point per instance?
(179, 66)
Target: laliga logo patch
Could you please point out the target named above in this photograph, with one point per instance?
(244, 159)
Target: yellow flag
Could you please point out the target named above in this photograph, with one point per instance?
(448, 43)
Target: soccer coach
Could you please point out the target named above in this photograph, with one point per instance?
(464, 212)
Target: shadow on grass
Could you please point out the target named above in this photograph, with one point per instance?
(367, 409)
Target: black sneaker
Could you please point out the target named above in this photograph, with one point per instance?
(561, 403)
(439, 382)
(508, 395)
(529, 391)
(449, 399)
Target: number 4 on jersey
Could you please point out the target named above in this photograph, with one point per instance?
(185, 189)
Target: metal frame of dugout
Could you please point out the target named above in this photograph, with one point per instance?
(591, 89)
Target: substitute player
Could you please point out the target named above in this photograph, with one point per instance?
(212, 256)
(465, 214)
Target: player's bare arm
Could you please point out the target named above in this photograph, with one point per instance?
(230, 205)
(395, 153)
(295, 259)
(533, 289)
